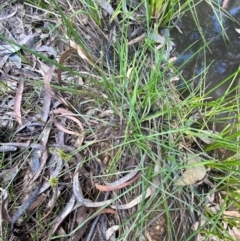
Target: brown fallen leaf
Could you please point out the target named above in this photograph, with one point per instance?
(18, 101)
(47, 94)
(81, 53)
(140, 38)
(41, 198)
(61, 61)
(63, 129)
(116, 186)
(68, 114)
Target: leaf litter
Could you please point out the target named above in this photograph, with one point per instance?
(63, 141)
(192, 174)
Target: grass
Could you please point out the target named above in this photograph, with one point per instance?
(132, 113)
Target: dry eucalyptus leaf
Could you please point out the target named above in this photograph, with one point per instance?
(34, 162)
(208, 137)
(4, 206)
(77, 189)
(3, 60)
(225, 4)
(25, 205)
(115, 187)
(157, 38)
(58, 220)
(198, 224)
(8, 49)
(70, 115)
(18, 102)
(234, 233)
(106, 6)
(16, 59)
(111, 231)
(47, 94)
(237, 30)
(192, 174)
(81, 52)
(50, 50)
(28, 41)
(129, 71)
(134, 202)
(232, 214)
(8, 174)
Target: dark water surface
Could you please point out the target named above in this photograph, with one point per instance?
(210, 51)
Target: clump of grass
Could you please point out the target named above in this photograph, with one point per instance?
(156, 129)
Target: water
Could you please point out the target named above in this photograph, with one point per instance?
(208, 53)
